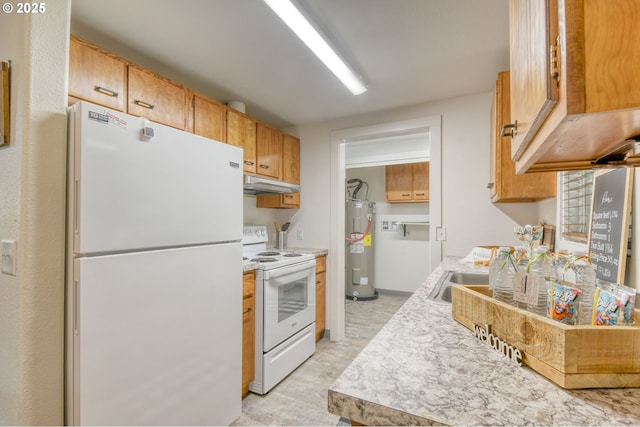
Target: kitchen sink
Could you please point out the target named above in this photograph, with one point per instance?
(441, 291)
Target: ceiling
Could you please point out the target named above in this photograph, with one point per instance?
(407, 51)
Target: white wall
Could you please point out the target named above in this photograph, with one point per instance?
(32, 211)
(467, 213)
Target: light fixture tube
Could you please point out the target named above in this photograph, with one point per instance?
(303, 29)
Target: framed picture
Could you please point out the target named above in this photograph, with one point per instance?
(5, 115)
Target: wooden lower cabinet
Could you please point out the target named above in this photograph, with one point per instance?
(248, 329)
(321, 292)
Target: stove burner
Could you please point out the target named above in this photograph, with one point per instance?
(264, 259)
(269, 253)
(291, 255)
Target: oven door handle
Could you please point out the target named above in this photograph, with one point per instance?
(283, 271)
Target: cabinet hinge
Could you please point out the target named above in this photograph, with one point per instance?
(554, 60)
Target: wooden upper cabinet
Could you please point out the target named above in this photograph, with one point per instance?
(96, 75)
(241, 132)
(420, 181)
(290, 173)
(399, 183)
(406, 183)
(208, 118)
(531, 34)
(291, 159)
(157, 98)
(575, 94)
(506, 185)
(269, 151)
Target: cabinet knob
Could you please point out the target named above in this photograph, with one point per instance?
(248, 163)
(513, 127)
(264, 166)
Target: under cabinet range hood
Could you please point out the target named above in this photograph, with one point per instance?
(260, 185)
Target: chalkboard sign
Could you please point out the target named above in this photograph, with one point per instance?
(609, 231)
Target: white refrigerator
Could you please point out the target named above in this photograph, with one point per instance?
(154, 274)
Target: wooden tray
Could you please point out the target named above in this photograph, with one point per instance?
(571, 356)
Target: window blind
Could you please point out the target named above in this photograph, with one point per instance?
(577, 187)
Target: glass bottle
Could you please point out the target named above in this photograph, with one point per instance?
(539, 269)
(504, 269)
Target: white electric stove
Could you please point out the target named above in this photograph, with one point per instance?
(285, 309)
(254, 248)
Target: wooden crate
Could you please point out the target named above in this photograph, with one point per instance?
(571, 356)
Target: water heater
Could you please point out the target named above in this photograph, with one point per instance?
(359, 261)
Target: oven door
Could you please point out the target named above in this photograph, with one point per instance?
(289, 301)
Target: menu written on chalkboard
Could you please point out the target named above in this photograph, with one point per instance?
(611, 203)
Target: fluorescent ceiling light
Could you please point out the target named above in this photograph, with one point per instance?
(303, 29)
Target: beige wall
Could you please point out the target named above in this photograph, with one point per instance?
(32, 209)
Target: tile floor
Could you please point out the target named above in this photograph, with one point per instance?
(301, 398)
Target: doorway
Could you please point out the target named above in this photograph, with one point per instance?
(339, 140)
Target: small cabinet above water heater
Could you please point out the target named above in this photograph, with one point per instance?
(407, 183)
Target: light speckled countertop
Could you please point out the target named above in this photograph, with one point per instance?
(425, 368)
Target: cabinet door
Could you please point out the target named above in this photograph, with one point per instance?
(96, 75)
(156, 98)
(248, 331)
(420, 181)
(241, 132)
(269, 151)
(321, 291)
(533, 31)
(291, 159)
(209, 118)
(399, 181)
(507, 186)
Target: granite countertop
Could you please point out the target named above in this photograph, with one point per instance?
(424, 368)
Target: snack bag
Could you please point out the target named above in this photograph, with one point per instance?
(562, 301)
(606, 309)
(628, 297)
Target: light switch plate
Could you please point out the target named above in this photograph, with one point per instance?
(441, 234)
(8, 255)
